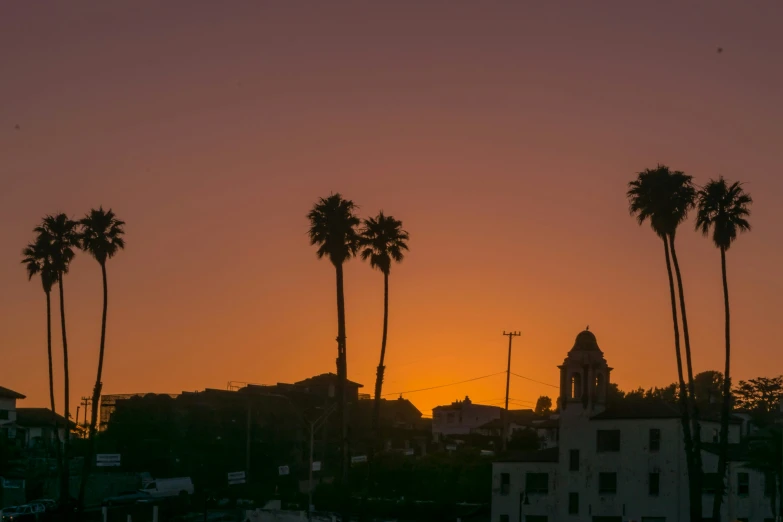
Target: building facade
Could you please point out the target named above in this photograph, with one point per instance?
(615, 464)
(462, 417)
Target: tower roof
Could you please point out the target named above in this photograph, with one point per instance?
(585, 342)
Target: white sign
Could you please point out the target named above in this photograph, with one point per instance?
(451, 447)
(283, 470)
(317, 465)
(236, 477)
(409, 451)
(104, 460)
(358, 458)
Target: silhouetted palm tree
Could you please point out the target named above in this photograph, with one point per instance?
(61, 234)
(101, 236)
(333, 229)
(723, 208)
(37, 261)
(664, 197)
(383, 241)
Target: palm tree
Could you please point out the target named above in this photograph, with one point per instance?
(100, 236)
(37, 261)
(664, 197)
(382, 240)
(60, 232)
(333, 229)
(723, 208)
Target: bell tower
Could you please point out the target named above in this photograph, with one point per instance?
(584, 378)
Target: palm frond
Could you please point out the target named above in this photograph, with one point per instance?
(723, 208)
(333, 228)
(101, 234)
(383, 240)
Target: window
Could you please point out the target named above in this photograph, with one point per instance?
(607, 440)
(769, 484)
(4, 414)
(504, 518)
(607, 483)
(743, 484)
(576, 386)
(654, 484)
(573, 463)
(505, 483)
(655, 439)
(537, 483)
(573, 503)
(710, 483)
(535, 518)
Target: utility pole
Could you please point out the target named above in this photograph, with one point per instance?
(510, 336)
(86, 401)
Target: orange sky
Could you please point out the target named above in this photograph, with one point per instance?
(502, 135)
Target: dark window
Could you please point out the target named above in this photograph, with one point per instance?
(4, 414)
(743, 484)
(505, 483)
(655, 484)
(769, 484)
(573, 503)
(655, 439)
(573, 463)
(535, 518)
(710, 483)
(537, 483)
(504, 518)
(608, 440)
(607, 483)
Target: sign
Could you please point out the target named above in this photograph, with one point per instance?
(283, 470)
(358, 458)
(451, 447)
(409, 451)
(105, 460)
(317, 465)
(236, 477)
(487, 453)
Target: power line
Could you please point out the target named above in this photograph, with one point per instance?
(443, 385)
(529, 379)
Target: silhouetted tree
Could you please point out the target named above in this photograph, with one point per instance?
(543, 405)
(382, 241)
(38, 261)
(761, 396)
(333, 229)
(765, 454)
(60, 232)
(100, 236)
(664, 197)
(723, 208)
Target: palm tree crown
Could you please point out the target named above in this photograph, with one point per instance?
(723, 207)
(101, 234)
(333, 228)
(663, 196)
(383, 240)
(60, 232)
(37, 260)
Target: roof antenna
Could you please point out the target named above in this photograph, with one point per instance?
(587, 328)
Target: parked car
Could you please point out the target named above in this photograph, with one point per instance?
(23, 513)
(125, 497)
(169, 487)
(48, 503)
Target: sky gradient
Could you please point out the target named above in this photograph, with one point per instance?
(503, 136)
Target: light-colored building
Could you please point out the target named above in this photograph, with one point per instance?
(617, 464)
(8, 400)
(462, 417)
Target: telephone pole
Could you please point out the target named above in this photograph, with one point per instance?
(85, 402)
(510, 336)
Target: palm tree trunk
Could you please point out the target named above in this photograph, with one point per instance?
(96, 395)
(342, 370)
(695, 503)
(726, 406)
(376, 414)
(57, 448)
(65, 479)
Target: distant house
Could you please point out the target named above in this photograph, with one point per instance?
(36, 427)
(8, 400)
(517, 420)
(462, 417)
(326, 385)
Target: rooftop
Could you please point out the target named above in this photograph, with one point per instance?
(544, 455)
(325, 379)
(38, 417)
(586, 342)
(640, 410)
(6, 393)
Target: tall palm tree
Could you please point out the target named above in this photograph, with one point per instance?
(37, 261)
(383, 241)
(61, 235)
(333, 229)
(723, 208)
(100, 236)
(664, 197)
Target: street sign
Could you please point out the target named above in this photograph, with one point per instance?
(451, 447)
(358, 458)
(105, 460)
(236, 477)
(409, 451)
(317, 465)
(283, 470)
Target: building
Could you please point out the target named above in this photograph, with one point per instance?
(462, 417)
(108, 406)
(8, 400)
(617, 464)
(36, 427)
